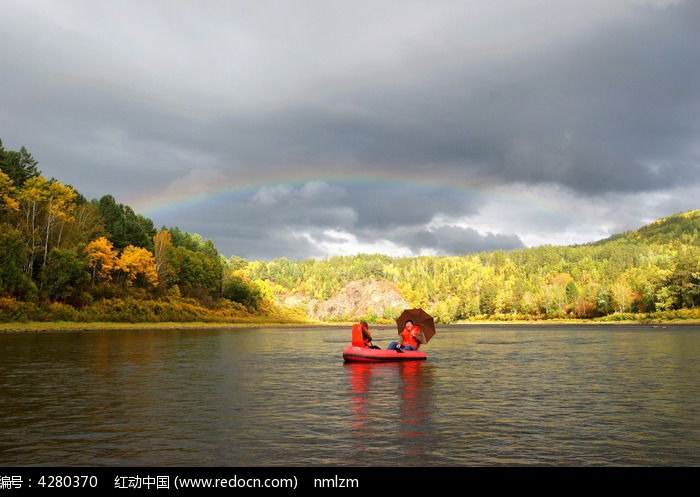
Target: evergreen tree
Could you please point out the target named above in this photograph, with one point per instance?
(19, 166)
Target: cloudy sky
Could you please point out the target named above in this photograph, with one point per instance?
(314, 128)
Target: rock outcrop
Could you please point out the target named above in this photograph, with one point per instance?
(358, 299)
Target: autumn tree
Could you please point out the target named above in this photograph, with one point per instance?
(60, 205)
(8, 204)
(87, 224)
(621, 294)
(138, 267)
(32, 197)
(162, 242)
(102, 259)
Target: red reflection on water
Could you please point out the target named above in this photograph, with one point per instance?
(360, 377)
(412, 422)
(391, 406)
(395, 382)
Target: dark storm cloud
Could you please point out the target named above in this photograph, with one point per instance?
(364, 124)
(613, 109)
(450, 240)
(298, 220)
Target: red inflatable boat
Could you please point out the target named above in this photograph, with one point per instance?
(353, 353)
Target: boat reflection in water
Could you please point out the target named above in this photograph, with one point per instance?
(402, 389)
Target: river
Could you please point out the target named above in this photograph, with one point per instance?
(488, 395)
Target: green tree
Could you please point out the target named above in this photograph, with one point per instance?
(571, 293)
(604, 301)
(238, 288)
(684, 282)
(124, 226)
(196, 274)
(87, 224)
(65, 277)
(14, 281)
(19, 166)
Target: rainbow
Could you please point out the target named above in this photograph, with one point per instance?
(173, 201)
(511, 203)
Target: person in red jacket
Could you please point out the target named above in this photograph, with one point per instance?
(367, 336)
(361, 336)
(408, 338)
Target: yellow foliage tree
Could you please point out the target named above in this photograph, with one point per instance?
(60, 208)
(7, 192)
(162, 241)
(46, 206)
(135, 262)
(102, 257)
(32, 196)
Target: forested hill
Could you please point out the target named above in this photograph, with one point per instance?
(653, 271)
(65, 258)
(684, 227)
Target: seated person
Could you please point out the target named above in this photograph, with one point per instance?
(366, 335)
(361, 336)
(407, 338)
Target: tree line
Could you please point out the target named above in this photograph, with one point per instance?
(64, 257)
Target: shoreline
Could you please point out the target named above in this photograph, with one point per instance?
(59, 326)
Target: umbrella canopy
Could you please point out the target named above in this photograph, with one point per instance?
(420, 318)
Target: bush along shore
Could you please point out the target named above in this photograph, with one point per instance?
(14, 313)
(186, 314)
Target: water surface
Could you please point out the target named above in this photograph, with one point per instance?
(579, 395)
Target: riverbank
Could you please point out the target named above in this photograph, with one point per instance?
(35, 326)
(58, 326)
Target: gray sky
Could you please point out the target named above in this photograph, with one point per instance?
(318, 128)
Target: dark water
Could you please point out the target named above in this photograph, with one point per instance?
(487, 396)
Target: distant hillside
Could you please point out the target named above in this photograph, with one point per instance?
(683, 227)
(651, 270)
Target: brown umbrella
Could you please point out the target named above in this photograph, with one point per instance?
(420, 318)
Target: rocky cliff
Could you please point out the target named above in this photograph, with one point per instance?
(359, 299)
